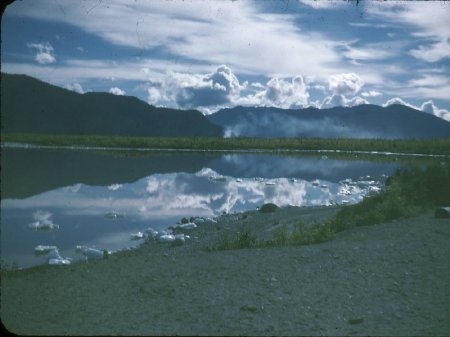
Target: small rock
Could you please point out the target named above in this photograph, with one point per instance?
(137, 236)
(59, 262)
(188, 225)
(43, 250)
(43, 225)
(150, 233)
(166, 238)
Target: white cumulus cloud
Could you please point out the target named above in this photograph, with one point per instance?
(340, 100)
(345, 84)
(282, 93)
(222, 88)
(207, 91)
(398, 100)
(45, 52)
(427, 107)
(75, 87)
(117, 91)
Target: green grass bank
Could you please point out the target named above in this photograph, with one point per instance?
(434, 147)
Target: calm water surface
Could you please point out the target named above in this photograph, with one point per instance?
(81, 191)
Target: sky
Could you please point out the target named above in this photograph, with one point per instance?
(209, 55)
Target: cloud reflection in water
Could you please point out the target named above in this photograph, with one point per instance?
(183, 194)
(159, 201)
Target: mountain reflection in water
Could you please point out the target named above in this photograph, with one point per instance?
(100, 199)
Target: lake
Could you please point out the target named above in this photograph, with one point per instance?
(100, 198)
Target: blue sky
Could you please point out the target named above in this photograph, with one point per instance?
(208, 55)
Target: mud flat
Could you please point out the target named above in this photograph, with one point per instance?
(385, 279)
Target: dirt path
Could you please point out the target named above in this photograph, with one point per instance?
(387, 279)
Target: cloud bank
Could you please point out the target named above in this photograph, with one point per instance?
(219, 89)
(202, 91)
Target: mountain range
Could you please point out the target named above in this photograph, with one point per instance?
(362, 121)
(29, 105)
(32, 106)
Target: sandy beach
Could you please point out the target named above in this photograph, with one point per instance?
(385, 279)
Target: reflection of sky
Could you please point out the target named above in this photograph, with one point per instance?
(157, 201)
(307, 168)
(181, 194)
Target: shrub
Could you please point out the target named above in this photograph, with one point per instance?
(237, 241)
(300, 235)
(280, 236)
(268, 208)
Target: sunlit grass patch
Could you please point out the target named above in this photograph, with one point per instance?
(282, 236)
(300, 235)
(239, 240)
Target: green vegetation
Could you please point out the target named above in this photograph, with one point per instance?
(300, 235)
(282, 236)
(5, 267)
(268, 208)
(438, 146)
(237, 241)
(407, 193)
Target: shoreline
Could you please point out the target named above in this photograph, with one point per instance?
(208, 232)
(20, 145)
(384, 279)
(363, 145)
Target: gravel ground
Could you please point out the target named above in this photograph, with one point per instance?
(386, 279)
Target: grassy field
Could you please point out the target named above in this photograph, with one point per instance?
(437, 147)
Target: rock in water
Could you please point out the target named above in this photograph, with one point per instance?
(54, 258)
(43, 250)
(166, 238)
(150, 233)
(137, 236)
(59, 262)
(43, 225)
(92, 253)
(188, 225)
